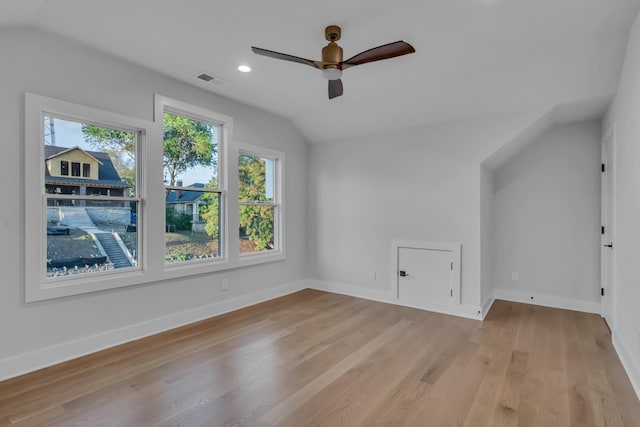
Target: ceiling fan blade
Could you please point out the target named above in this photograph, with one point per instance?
(386, 51)
(335, 88)
(283, 56)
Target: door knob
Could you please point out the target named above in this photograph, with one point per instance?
(404, 273)
(610, 245)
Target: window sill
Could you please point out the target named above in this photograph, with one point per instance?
(51, 289)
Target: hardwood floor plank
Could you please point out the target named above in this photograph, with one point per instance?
(320, 359)
(496, 345)
(408, 395)
(577, 388)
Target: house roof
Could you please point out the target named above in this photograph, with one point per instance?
(68, 150)
(107, 174)
(186, 196)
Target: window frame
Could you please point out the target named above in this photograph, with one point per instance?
(37, 285)
(74, 166)
(64, 167)
(279, 159)
(224, 123)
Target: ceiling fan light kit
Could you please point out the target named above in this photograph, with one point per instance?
(332, 63)
(332, 73)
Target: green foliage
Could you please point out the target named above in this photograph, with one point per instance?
(182, 221)
(256, 221)
(111, 140)
(209, 210)
(187, 143)
(119, 145)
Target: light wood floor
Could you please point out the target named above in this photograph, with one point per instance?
(319, 359)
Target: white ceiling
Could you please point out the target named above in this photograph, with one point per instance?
(474, 57)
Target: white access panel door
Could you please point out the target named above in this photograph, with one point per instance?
(425, 277)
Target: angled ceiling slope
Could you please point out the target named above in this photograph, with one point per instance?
(588, 109)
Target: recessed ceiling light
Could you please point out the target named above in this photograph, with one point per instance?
(244, 68)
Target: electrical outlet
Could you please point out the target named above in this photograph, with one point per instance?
(225, 284)
(514, 275)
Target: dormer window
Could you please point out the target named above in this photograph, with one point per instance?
(75, 169)
(86, 170)
(64, 168)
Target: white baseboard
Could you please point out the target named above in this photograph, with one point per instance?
(546, 300)
(48, 356)
(389, 297)
(630, 364)
(487, 304)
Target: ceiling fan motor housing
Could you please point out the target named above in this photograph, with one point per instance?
(332, 55)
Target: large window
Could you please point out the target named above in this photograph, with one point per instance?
(259, 199)
(113, 201)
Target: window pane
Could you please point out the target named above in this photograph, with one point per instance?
(256, 184)
(191, 164)
(192, 226)
(87, 236)
(256, 228)
(255, 178)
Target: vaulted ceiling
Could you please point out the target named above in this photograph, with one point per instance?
(474, 57)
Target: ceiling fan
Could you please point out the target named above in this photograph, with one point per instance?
(332, 64)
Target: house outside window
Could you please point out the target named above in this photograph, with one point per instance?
(64, 168)
(86, 235)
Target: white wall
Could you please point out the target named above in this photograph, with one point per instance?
(625, 114)
(48, 65)
(416, 184)
(487, 253)
(546, 220)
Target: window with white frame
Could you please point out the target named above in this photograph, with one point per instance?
(259, 199)
(79, 225)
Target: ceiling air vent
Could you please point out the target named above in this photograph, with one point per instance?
(213, 79)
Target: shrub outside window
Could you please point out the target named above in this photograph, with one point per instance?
(259, 199)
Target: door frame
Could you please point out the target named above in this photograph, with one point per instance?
(454, 248)
(607, 301)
